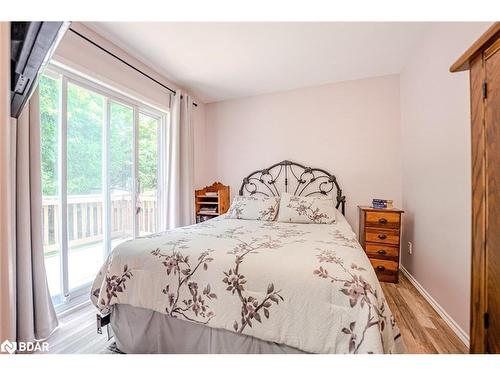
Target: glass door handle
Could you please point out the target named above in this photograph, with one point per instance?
(138, 204)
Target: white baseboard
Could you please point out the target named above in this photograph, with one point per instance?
(442, 312)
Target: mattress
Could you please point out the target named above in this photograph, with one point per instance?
(309, 287)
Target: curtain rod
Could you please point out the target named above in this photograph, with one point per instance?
(125, 62)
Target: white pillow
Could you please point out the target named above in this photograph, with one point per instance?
(253, 208)
(306, 210)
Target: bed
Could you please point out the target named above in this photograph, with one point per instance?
(249, 286)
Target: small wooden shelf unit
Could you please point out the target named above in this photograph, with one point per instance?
(209, 206)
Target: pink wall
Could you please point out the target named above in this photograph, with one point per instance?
(350, 129)
(435, 142)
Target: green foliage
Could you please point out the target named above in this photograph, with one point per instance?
(122, 146)
(49, 119)
(85, 125)
(148, 152)
(85, 121)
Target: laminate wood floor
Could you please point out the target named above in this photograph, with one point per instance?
(77, 334)
(422, 329)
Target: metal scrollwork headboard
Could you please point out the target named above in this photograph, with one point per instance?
(294, 178)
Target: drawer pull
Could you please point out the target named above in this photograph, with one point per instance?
(382, 220)
(382, 252)
(382, 236)
(380, 268)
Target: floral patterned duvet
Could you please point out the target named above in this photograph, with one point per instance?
(308, 286)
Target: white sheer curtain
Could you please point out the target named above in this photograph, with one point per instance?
(178, 202)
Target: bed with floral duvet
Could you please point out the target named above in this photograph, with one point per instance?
(306, 286)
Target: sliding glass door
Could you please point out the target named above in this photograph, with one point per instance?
(84, 183)
(148, 174)
(100, 170)
(50, 110)
(121, 172)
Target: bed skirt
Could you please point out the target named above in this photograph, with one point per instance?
(141, 331)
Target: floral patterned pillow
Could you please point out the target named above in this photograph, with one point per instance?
(306, 210)
(253, 208)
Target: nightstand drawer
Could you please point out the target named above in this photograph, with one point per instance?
(386, 270)
(379, 251)
(382, 219)
(382, 236)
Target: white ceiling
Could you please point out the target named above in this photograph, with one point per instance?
(220, 61)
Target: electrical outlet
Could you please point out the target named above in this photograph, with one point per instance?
(410, 247)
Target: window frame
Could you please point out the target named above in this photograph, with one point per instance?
(161, 115)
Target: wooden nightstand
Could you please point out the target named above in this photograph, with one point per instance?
(380, 236)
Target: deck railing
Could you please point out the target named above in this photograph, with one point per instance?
(85, 218)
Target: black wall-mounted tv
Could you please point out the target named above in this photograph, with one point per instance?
(31, 47)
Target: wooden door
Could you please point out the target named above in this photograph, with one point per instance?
(483, 60)
(478, 261)
(492, 117)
